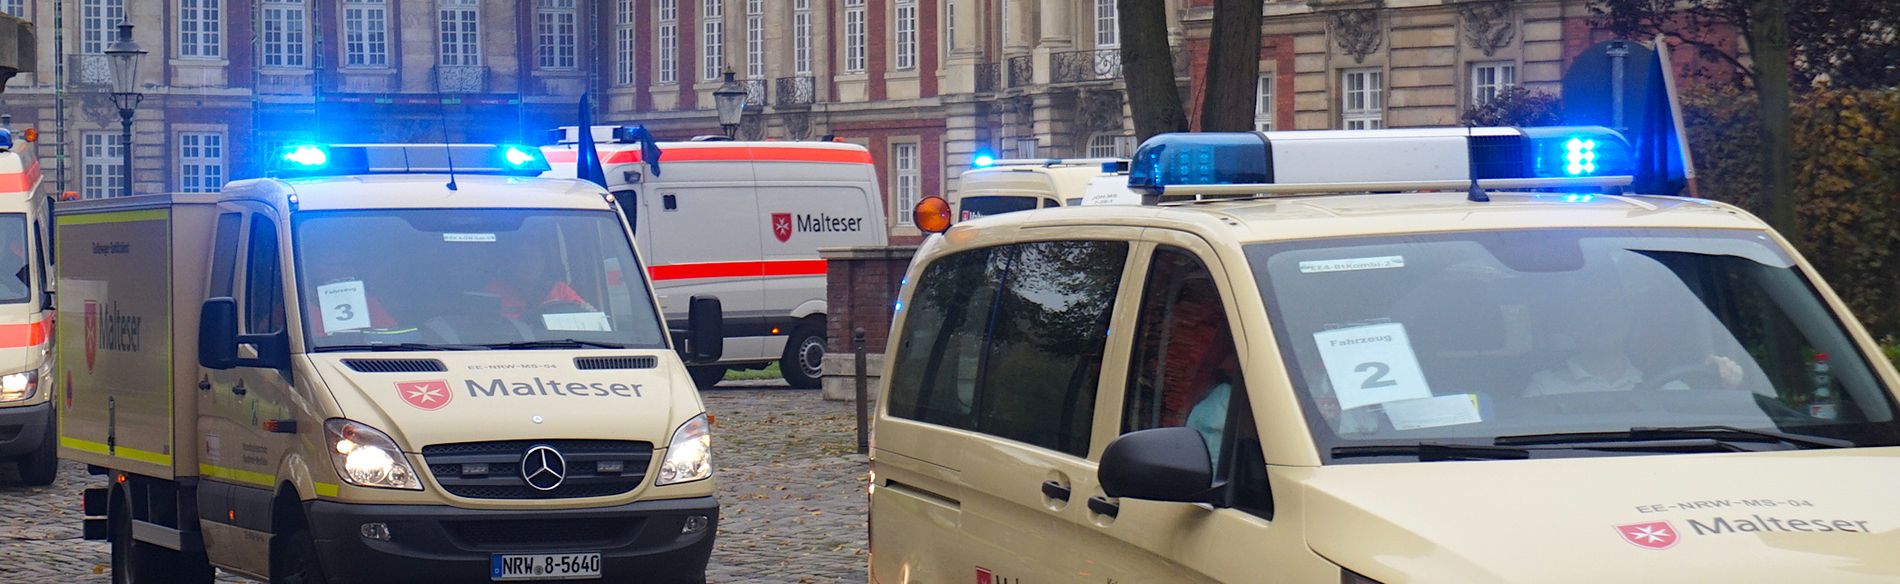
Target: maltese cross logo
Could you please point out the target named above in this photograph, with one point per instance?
(425, 395)
(782, 226)
(1658, 535)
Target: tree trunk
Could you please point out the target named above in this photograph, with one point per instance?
(1768, 44)
(1233, 67)
(1148, 66)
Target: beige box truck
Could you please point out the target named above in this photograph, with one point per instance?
(369, 370)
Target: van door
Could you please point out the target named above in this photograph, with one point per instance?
(1185, 368)
(705, 235)
(807, 215)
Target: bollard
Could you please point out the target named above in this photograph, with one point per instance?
(864, 429)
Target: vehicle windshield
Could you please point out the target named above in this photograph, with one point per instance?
(468, 278)
(1467, 337)
(978, 206)
(15, 277)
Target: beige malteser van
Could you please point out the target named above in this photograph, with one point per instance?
(1267, 378)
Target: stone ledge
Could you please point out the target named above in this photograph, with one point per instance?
(868, 252)
(839, 382)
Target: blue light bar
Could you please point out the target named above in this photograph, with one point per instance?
(983, 161)
(306, 155)
(1584, 151)
(1215, 158)
(308, 160)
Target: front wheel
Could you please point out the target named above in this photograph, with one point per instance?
(804, 361)
(41, 466)
(136, 562)
(294, 558)
(707, 376)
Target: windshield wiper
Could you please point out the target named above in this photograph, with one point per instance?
(1643, 434)
(556, 344)
(397, 347)
(1435, 451)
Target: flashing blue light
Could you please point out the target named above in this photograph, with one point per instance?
(6, 139)
(308, 156)
(1579, 198)
(900, 306)
(984, 161)
(1200, 159)
(517, 156)
(1576, 152)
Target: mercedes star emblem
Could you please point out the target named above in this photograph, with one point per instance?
(543, 468)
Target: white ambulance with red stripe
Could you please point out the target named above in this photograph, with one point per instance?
(743, 222)
(27, 435)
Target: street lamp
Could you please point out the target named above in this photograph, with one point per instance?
(730, 100)
(124, 55)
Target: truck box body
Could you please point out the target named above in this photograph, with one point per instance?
(127, 353)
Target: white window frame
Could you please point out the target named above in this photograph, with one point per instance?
(102, 168)
(99, 24)
(366, 33)
(668, 38)
(856, 32)
(1362, 99)
(755, 39)
(201, 162)
(949, 25)
(1110, 145)
(556, 32)
(904, 17)
(459, 28)
(15, 8)
(284, 31)
(906, 178)
(200, 29)
(712, 27)
(1491, 78)
(801, 37)
(1263, 103)
(626, 42)
(1108, 32)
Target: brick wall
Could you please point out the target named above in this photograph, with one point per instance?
(861, 285)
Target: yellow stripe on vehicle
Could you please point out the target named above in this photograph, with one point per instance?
(133, 454)
(114, 217)
(327, 490)
(237, 474)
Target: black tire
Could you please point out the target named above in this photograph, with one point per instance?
(41, 467)
(707, 376)
(804, 360)
(293, 558)
(137, 562)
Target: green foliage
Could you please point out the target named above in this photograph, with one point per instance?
(1847, 178)
(1847, 43)
(1893, 351)
(1516, 106)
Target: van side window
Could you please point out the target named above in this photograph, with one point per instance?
(39, 256)
(263, 294)
(1008, 341)
(224, 255)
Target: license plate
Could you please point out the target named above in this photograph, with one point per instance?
(581, 566)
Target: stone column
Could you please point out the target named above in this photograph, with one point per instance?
(960, 66)
(1057, 34)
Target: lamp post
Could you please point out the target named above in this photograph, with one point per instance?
(124, 56)
(730, 100)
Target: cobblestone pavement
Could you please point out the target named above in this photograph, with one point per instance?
(791, 486)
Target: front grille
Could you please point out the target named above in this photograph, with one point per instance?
(451, 465)
(545, 533)
(628, 362)
(394, 365)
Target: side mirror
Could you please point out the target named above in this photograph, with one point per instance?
(1162, 464)
(217, 334)
(706, 329)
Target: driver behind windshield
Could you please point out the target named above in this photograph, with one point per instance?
(1601, 362)
(526, 273)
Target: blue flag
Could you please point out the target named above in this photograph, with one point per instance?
(649, 148)
(587, 165)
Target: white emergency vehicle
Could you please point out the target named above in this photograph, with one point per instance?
(995, 186)
(27, 434)
(742, 222)
(370, 368)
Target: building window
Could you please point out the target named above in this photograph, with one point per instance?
(15, 8)
(801, 37)
(1110, 146)
(669, 41)
(906, 35)
(366, 33)
(1362, 104)
(104, 167)
(854, 31)
(461, 23)
(626, 45)
(950, 25)
(99, 24)
(199, 29)
(755, 39)
(1263, 103)
(1108, 32)
(1028, 148)
(713, 37)
(200, 162)
(283, 33)
(905, 179)
(554, 34)
(1490, 79)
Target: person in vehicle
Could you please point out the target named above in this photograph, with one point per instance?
(525, 274)
(1209, 416)
(1601, 360)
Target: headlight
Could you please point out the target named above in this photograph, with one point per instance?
(689, 456)
(19, 386)
(366, 457)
